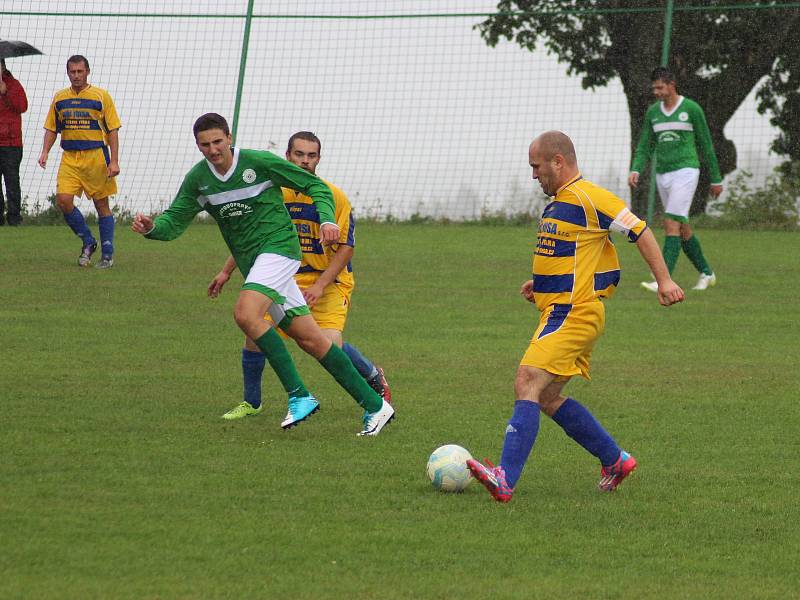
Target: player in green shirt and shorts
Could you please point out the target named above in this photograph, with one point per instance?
(241, 190)
(673, 129)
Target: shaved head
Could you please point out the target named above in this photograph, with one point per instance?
(551, 143)
(552, 158)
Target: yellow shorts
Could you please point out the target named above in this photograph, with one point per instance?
(563, 342)
(330, 312)
(85, 171)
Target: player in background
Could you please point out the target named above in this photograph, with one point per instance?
(575, 266)
(87, 120)
(673, 129)
(325, 277)
(240, 189)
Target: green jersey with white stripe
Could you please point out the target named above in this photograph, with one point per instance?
(247, 204)
(674, 136)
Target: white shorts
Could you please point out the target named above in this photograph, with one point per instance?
(273, 276)
(676, 190)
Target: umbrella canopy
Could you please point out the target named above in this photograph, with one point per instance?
(9, 48)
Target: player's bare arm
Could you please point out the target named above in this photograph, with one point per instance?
(669, 292)
(338, 261)
(47, 144)
(113, 144)
(221, 278)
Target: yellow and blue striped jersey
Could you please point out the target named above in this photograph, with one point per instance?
(575, 260)
(82, 119)
(305, 217)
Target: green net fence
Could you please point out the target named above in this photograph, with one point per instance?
(417, 115)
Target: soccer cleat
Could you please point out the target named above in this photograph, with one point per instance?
(243, 409)
(650, 285)
(300, 408)
(374, 422)
(105, 263)
(85, 259)
(380, 385)
(612, 476)
(705, 282)
(492, 478)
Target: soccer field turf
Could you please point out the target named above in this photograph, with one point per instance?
(118, 478)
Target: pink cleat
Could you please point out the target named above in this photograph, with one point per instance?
(492, 478)
(612, 476)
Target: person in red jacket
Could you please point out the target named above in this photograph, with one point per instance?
(13, 103)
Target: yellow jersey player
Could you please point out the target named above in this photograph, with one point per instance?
(575, 266)
(325, 277)
(86, 119)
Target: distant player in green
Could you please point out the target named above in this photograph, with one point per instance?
(673, 130)
(241, 190)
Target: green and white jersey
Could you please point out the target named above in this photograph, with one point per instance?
(674, 136)
(247, 204)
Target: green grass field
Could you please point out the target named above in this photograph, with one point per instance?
(118, 479)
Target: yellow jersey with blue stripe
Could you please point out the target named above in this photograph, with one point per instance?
(316, 257)
(575, 260)
(83, 119)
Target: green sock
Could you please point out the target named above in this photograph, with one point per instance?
(341, 367)
(695, 253)
(281, 362)
(672, 250)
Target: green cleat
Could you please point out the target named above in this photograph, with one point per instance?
(243, 409)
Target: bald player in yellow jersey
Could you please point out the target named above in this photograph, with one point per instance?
(325, 277)
(87, 120)
(575, 266)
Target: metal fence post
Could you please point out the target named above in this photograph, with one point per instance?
(651, 191)
(242, 68)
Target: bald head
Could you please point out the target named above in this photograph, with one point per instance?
(552, 157)
(555, 142)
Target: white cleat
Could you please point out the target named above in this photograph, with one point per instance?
(374, 422)
(705, 282)
(650, 285)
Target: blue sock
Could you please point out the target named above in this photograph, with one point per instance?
(581, 426)
(106, 225)
(520, 436)
(362, 364)
(252, 368)
(78, 224)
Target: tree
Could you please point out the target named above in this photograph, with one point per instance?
(718, 56)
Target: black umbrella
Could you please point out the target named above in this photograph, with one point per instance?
(9, 48)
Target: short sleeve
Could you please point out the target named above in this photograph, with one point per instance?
(50, 120)
(110, 115)
(615, 216)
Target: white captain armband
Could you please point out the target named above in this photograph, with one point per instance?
(624, 222)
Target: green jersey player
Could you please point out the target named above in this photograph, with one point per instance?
(674, 129)
(241, 190)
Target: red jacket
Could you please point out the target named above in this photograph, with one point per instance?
(12, 104)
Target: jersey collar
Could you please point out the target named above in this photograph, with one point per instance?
(674, 108)
(230, 171)
(578, 177)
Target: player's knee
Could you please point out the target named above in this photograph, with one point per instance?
(244, 318)
(524, 384)
(64, 203)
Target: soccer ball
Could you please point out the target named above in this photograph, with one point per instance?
(447, 468)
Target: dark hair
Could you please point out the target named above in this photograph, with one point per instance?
(663, 74)
(307, 136)
(210, 121)
(3, 68)
(76, 58)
